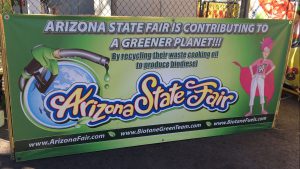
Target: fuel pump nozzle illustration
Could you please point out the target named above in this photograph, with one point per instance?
(46, 60)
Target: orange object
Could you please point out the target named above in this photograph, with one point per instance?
(220, 10)
(278, 9)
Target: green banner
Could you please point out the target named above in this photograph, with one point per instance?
(83, 84)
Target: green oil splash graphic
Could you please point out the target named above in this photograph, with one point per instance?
(106, 77)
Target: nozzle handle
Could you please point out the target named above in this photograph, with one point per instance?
(33, 67)
(91, 56)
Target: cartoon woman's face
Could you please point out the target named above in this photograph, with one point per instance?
(266, 52)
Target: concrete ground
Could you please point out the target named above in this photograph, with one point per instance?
(269, 149)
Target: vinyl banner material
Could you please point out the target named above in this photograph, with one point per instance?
(83, 84)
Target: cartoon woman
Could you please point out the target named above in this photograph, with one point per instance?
(259, 70)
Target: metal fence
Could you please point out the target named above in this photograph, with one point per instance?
(158, 8)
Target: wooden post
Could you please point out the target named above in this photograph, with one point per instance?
(7, 9)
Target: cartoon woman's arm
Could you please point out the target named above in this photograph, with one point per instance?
(251, 71)
(272, 68)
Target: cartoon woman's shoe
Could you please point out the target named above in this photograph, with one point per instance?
(264, 112)
(248, 114)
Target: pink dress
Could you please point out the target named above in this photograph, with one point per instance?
(246, 80)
